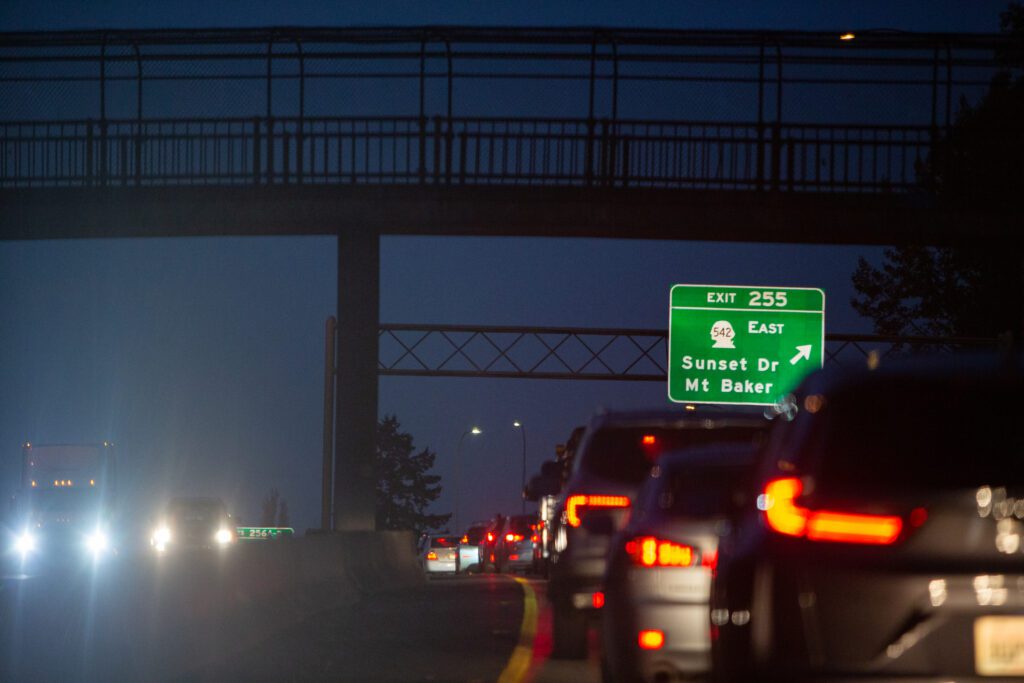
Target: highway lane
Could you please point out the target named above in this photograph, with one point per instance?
(140, 620)
(462, 628)
(451, 629)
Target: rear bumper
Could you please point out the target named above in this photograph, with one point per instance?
(823, 619)
(438, 566)
(673, 601)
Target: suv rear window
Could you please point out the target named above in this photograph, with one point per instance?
(475, 535)
(521, 524)
(627, 453)
(704, 491)
(443, 542)
(922, 434)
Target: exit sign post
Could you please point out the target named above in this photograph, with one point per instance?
(739, 345)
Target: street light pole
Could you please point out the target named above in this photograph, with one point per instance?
(458, 456)
(522, 482)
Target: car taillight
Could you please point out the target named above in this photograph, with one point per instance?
(651, 639)
(490, 537)
(513, 538)
(465, 539)
(648, 551)
(784, 516)
(431, 555)
(597, 600)
(534, 538)
(577, 503)
(709, 559)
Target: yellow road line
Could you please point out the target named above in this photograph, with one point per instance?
(519, 663)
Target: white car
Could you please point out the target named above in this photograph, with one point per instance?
(440, 554)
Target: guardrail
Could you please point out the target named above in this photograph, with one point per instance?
(463, 151)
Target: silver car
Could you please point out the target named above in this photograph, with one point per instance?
(655, 623)
(613, 461)
(440, 554)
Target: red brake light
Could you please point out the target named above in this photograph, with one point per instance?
(535, 538)
(651, 639)
(709, 559)
(490, 537)
(649, 440)
(573, 505)
(597, 600)
(648, 551)
(786, 517)
(431, 555)
(513, 538)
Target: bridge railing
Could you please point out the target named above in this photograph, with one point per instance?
(462, 151)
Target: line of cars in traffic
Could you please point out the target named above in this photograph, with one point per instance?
(867, 525)
(500, 544)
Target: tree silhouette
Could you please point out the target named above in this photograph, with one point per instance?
(966, 291)
(274, 511)
(404, 487)
(268, 511)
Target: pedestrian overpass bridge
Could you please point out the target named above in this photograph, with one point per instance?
(696, 135)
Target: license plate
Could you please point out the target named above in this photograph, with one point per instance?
(999, 646)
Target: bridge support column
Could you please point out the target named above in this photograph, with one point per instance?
(356, 384)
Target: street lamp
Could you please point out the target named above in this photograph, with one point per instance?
(522, 484)
(458, 455)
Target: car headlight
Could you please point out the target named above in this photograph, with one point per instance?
(223, 536)
(161, 537)
(97, 542)
(25, 543)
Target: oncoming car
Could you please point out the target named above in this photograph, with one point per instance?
(193, 524)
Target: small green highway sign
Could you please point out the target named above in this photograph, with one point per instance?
(742, 345)
(250, 533)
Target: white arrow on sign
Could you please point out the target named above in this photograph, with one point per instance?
(801, 352)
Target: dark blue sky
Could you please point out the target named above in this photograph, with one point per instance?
(202, 358)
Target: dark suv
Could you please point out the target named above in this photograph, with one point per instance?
(887, 535)
(613, 460)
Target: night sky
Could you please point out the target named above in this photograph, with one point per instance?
(202, 358)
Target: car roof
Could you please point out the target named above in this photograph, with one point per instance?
(707, 416)
(971, 366)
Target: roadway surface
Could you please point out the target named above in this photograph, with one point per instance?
(141, 621)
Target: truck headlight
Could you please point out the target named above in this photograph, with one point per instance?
(223, 537)
(25, 543)
(97, 542)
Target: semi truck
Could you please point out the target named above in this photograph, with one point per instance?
(64, 509)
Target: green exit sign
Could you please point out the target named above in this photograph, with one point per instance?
(741, 345)
(256, 533)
